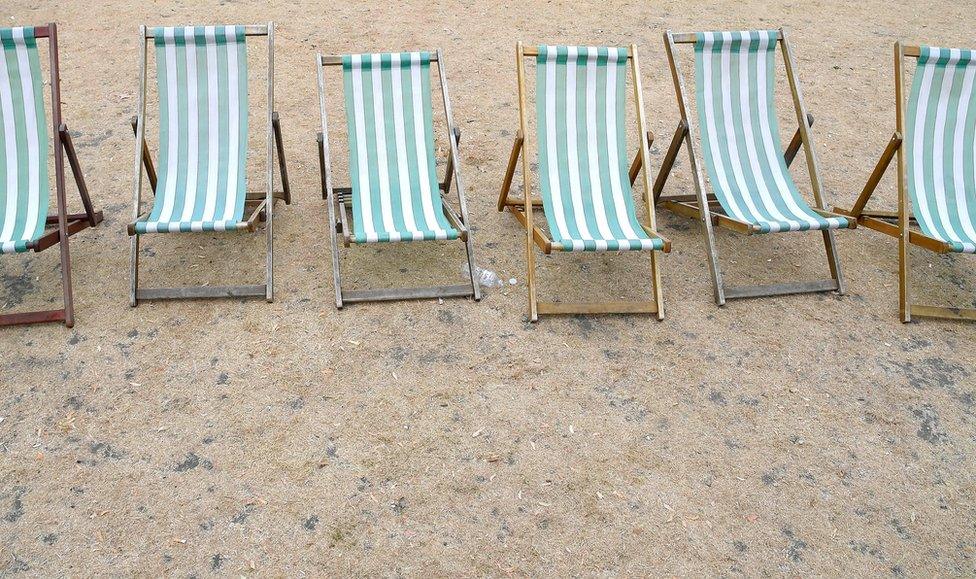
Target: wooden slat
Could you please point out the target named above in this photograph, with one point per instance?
(40, 317)
(336, 59)
(944, 313)
(538, 236)
(249, 30)
(780, 289)
(562, 308)
(201, 292)
(692, 37)
(420, 293)
(914, 237)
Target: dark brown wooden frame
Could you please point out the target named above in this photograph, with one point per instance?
(705, 207)
(522, 209)
(339, 216)
(260, 204)
(67, 223)
(882, 220)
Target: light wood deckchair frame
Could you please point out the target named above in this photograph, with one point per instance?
(883, 220)
(340, 216)
(67, 224)
(259, 203)
(706, 208)
(523, 208)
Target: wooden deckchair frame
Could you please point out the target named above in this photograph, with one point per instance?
(260, 204)
(523, 208)
(705, 206)
(340, 216)
(67, 223)
(883, 220)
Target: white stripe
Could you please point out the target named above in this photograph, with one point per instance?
(552, 155)
(616, 187)
(593, 147)
(382, 164)
(360, 120)
(172, 104)
(234, 123)
(709, 111)
(918, 147)
(192, 129)
(745, 75)
(733, 145)
(769, 145)
(572, 152)
(10, 141)
(213, 125)
(421, 143)
(403, 163)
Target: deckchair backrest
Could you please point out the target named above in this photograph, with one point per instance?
(734, 89)
(389, 115)
(23, 141)
(201, 77)
(941, 145)
(581, 118)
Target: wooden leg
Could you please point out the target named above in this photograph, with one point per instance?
(669, 158)
(894, 145)
(282, 168)
(69, 150)
(133, 270)
(636, 165)
(510, 170)
(147, 161)
(795, 143)
(328, 193)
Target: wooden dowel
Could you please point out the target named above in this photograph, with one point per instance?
(336, 59)
(249, 30)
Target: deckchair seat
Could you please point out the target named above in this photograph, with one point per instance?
(395, 194)
(740, 134)
(939, 142)
(582, 123)
(23, 142)
(202, 78)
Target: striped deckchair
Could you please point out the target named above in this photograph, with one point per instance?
(395, 195)
(585, 185)
(24, 148)
(752, 189)
(935, 166)
(201, 184)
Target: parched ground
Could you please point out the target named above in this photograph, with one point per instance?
(809, 435)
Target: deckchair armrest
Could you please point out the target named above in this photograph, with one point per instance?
(655, 235)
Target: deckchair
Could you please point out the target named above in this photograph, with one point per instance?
(201, 186)
(585, 187)
(753, 191)
(395, 195)
(24, 187)
(935, 166)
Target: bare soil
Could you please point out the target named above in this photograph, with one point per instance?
(806, 435)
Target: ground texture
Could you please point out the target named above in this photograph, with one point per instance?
(808, 435)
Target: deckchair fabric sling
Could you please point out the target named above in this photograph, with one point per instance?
(740, 133)
(202, 82)
(24, 184)
(395, 193)
(941, 146)
(581, 119)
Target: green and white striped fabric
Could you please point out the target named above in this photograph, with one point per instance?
(395, 194)
(735, 78)
(581, 117)
(941, 141)
(23, 142)
(202, 80)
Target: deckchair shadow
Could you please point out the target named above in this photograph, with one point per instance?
(753, 191)
(24, 186)
(394, 194)
(201, 183)
(585, 185)
(934, 138)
